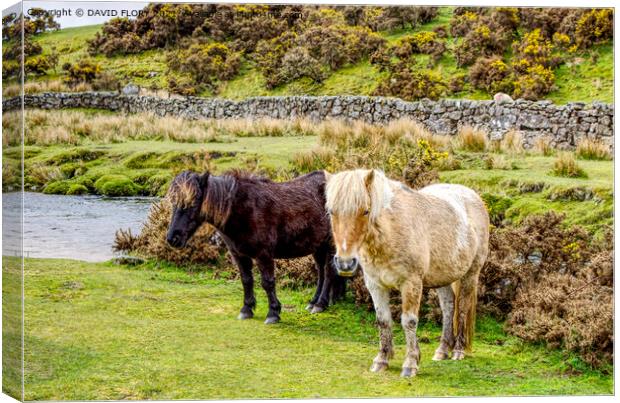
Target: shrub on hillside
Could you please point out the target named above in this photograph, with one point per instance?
(206, 63)
(84, 71)
(246, 25)
(548, 20)
(482, 40)
(424, 42)
(322, 48)
(409, 83)
(535, 83)
(461, 24)
(158, 26)
(298, 63)
(491, 74)
(594, 26)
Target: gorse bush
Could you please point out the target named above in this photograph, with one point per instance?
(594, 26)
(84, 71)
(492, 75)
(314, 51)
(206, 63)
(410, 83)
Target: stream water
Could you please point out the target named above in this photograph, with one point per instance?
(72, 227)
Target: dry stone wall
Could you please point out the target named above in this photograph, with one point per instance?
(564, 125)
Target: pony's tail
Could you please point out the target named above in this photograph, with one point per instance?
(470, 314)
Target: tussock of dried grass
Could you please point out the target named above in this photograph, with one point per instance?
(566, 165)
(512, 142)
(589, 149)
(471, 139)
(542, 146)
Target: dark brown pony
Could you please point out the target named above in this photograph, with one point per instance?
(260, 220)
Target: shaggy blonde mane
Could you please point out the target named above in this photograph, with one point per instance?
(350, 192)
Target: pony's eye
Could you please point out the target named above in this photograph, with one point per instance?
(366, 212)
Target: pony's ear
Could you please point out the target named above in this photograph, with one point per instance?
(327, 175)
(369, 178)
(203, 179)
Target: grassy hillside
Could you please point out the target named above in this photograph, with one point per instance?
(155, 332)
(586, 75)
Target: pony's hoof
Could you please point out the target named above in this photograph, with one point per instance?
(317, 309)
(245, 315)
(440, 355)
(272, 320)
(378, 366)
(408, 372)
(458, 355)
(309, 307)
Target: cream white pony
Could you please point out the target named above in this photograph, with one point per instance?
(404, 239)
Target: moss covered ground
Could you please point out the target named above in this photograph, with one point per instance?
(108, 332)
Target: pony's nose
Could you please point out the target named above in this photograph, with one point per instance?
(174, 240)
(345, 265)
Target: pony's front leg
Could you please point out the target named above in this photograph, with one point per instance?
(381, 300)
(244, 264)
(319, 263)
(268, 282)
(411, 294)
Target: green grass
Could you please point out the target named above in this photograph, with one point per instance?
(586, 81)
(11, 325)
(100, 331)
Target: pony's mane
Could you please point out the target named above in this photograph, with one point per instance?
(217, 203)
(348, 193)
(183, 191)
(216, 200)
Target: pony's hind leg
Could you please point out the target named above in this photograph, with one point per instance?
(244, 264)
(268, 281)
(320, 258)
(411, 294)
(446, 301)
(381, 301)
(465, 312)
